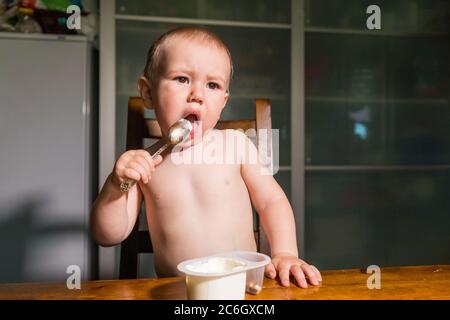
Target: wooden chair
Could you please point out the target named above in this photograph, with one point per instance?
(139, 128)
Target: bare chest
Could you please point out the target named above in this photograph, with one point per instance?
(194, 184)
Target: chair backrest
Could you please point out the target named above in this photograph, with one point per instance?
(138, 128)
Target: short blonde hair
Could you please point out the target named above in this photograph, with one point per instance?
(154, 55)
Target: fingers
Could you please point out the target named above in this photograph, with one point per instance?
(310, 274)
(157, 160)
(131, 174)
(299, 276)
(283, 273)
(319, 276)
(143, 163)
(137, 165)
(152, 161)
(270, 271)
(299, 269)
(304, 271)
(146, 158)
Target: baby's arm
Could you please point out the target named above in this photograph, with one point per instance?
(277, 219)
(114, 212)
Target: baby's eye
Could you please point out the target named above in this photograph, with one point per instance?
(182, 79)
(213, 85)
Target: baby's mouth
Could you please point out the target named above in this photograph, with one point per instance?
(192, 118)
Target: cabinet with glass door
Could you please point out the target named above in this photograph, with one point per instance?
(377, 134)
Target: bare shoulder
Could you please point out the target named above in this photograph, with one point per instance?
(238, 134)
(238, 145)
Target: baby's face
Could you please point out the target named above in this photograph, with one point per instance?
(193, 84)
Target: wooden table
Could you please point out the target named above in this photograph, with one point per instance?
(421, 282)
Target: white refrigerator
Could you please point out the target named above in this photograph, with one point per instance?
(48, 157)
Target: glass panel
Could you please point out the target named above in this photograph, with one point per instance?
(365, 134)
(262, 69)
(388, 104)
(355, 219)
(377, 100)
(345, 66)
(419, 134)
(235, 10)
(339, 133)
(418, 67)
(407, 16)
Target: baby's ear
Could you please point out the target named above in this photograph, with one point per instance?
(144, 89)
(227, 95)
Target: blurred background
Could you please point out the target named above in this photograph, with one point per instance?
(364, 120)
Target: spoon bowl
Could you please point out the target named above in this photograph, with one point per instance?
(178, 132)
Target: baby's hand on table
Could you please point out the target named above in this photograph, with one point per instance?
(135, 165)
(287, 264)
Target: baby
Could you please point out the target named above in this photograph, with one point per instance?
(197, 208)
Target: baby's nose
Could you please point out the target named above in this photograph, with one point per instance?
(196, 94)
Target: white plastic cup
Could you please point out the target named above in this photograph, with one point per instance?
(215, 278)
(231, 287)
(256, 263)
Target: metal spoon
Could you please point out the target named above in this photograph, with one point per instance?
(178, 132)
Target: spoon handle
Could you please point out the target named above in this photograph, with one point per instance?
(128, 184)
(160, 150)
